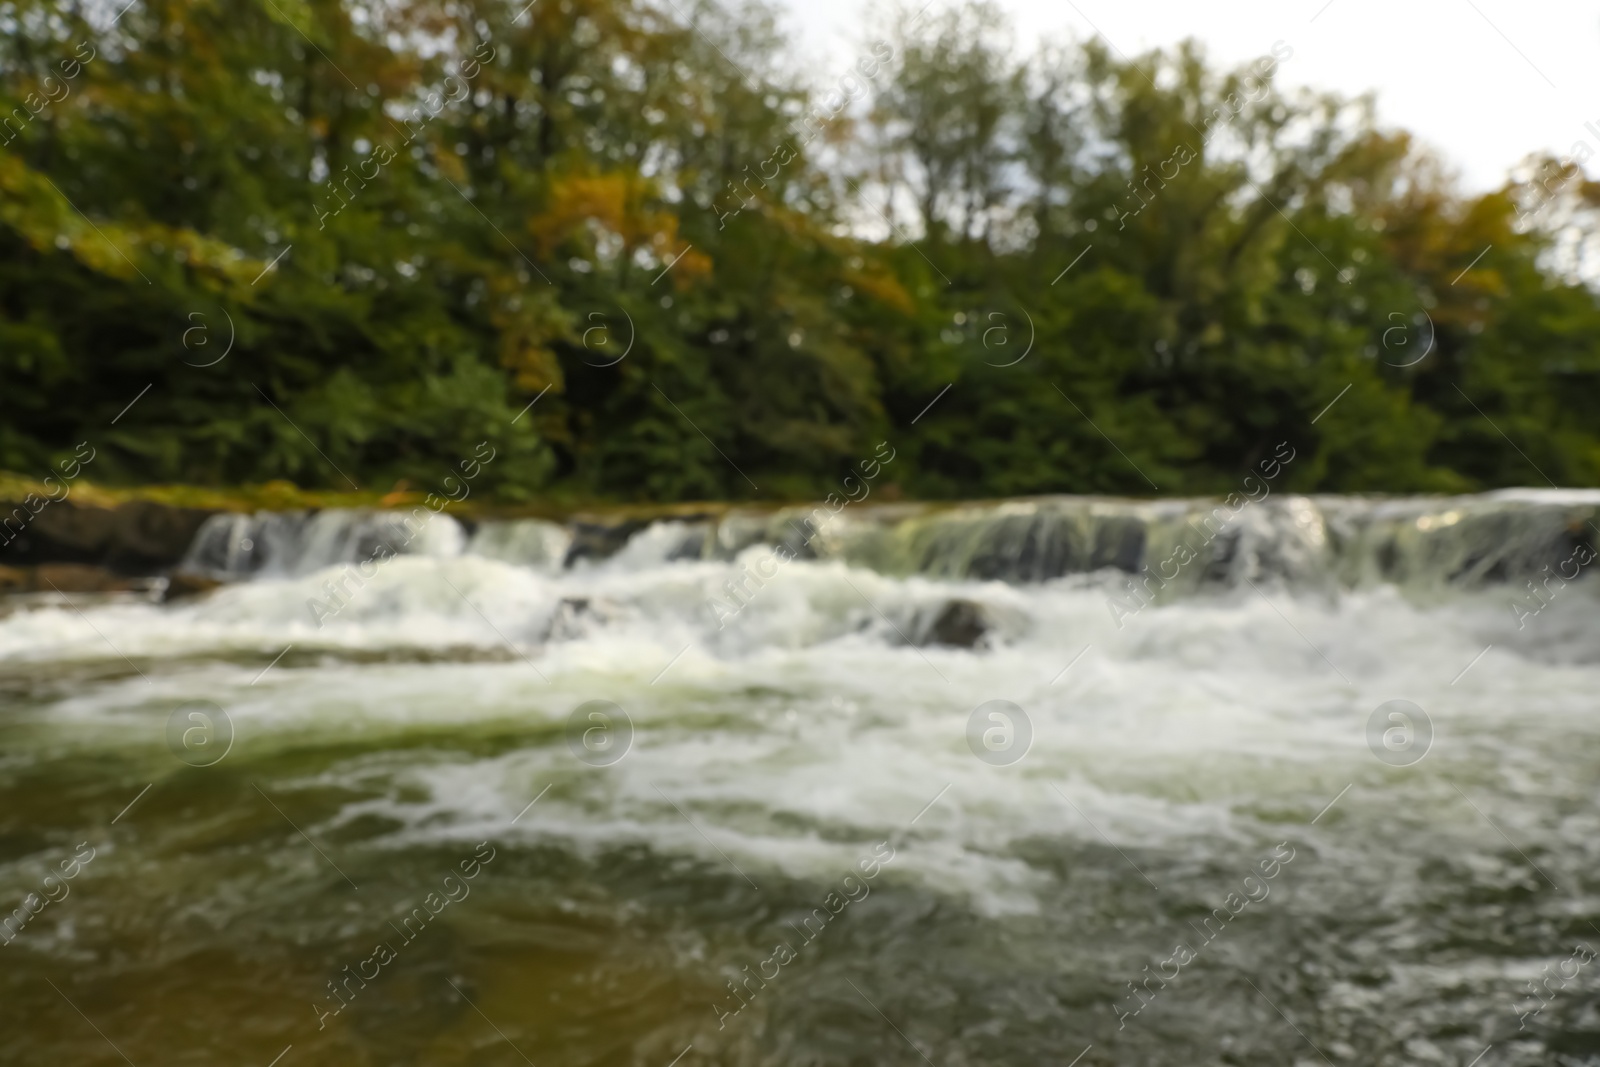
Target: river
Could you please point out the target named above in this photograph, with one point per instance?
(896, 785)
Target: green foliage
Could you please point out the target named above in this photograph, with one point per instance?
(710, 280)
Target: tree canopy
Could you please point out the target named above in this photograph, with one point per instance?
(712, 275)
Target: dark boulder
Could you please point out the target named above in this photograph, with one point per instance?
(578, 616)
(600, 540)
(960, 624)
(83, 578)
(185, 584)
(137, 538)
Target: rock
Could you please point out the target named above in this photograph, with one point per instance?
(576, 616)
(184, 584)
(598, 536)
(600, 540)
(65, 532)
(960, 623)
(14, 580)
(82, 578)
(149, 535)
(139, 537)
(693, 543)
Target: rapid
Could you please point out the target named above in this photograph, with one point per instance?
(1003, 780)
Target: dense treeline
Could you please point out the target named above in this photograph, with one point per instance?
(410, 221)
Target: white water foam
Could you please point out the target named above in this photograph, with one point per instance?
(808, 724)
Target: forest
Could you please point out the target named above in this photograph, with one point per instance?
(645, 253)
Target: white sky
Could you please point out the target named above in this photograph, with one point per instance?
(1448, 70)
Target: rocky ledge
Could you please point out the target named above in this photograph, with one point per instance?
(86, 548)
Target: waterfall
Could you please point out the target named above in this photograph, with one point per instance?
(1174, 547)
(528, 542)
(290, 544)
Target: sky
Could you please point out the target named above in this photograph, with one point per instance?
(1483, 82)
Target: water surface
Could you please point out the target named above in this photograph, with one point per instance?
(786, 742)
